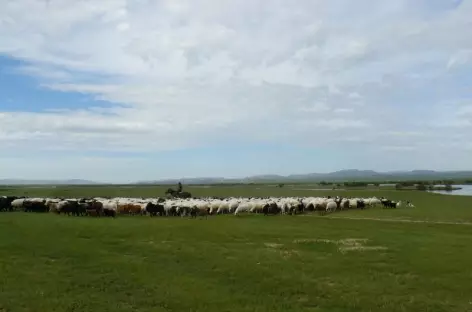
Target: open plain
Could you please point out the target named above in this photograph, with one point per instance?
(404, 259)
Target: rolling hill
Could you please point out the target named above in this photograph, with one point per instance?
(337, 176)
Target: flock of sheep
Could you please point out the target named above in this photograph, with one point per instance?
(191, 206)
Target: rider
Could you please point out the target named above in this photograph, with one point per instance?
(179, 188)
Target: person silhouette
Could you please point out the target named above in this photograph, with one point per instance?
(179, 188)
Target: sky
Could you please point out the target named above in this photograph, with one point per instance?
(127, 90)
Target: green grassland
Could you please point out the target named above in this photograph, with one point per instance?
(247, 263)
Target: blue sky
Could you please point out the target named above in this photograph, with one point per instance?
(22, 92)
(129, 90)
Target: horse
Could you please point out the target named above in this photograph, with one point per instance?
(178, 194)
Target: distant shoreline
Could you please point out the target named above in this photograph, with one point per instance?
(443, 188)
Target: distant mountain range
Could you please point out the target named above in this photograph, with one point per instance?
(46, 182)
(337, 176)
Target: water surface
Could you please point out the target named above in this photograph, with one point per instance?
(466, 190)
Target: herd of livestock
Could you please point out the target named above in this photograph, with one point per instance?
(191, 207)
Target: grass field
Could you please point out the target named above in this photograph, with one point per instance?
(248, 263)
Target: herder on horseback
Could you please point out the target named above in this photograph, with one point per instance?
(178, 193)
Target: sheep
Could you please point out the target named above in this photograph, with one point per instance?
(243, 207)
(197, 206)
(224, 207)
(331, 206)
(353, 203)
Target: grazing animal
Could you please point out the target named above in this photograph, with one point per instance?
(361, 204)
(271, 209)
(191, 207)
(35, 205)
(389, 204)
(94, 208)
(155, 209)
(110, 208)
(5, 203)
(331, 206)
(17, 204)
(69, 207)
(201, 211)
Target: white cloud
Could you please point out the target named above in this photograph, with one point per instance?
(460, 58)
(343, 110)
(194, 73)
(398, 148)
(316, 108)
(465, 111)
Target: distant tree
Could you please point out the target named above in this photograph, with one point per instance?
(408, 183)
(398, 186)
(281, 185)
(421, 187)
(448, 187)
(356, 184)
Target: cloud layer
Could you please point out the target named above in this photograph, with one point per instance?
(379, 76)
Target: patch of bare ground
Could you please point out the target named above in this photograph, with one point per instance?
(344, 245)
(273, 245)
(403, 220)
(285, 253)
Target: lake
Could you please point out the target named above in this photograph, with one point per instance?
(466, 190)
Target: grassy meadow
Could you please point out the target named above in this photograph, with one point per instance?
(247, 263)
